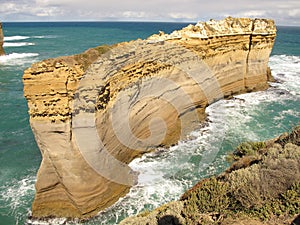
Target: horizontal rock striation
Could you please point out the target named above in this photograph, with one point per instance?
(93, 113)
(1, 40)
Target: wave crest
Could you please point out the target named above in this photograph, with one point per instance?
(17, 44)
(15, 38)
(18, 58)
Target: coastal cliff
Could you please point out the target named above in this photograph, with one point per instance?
(1, 40)
(93, 113)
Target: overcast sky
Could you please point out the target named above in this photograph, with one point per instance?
(284, 12)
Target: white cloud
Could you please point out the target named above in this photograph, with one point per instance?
(46, 3)
(294, 13)
(182, 15)
(252, 13)
(22, 11)
(134, 14)
(48, 12)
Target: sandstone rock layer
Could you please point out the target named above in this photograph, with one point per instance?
(93, 113)
(1, 40)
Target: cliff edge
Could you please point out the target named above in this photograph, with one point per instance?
(92, 113)
(1, 40)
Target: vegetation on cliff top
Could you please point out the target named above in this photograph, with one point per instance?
(262, 186)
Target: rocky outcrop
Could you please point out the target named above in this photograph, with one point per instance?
(93, 113)
(261, 187)
(1, 41)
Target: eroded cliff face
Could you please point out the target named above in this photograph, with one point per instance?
(1, 40)
(93, 113)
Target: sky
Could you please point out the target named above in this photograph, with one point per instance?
(284, 12)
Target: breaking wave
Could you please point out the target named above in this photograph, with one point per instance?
(17, 44)
(15, 38)
(15, 59)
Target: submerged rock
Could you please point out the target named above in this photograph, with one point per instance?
(93, 113)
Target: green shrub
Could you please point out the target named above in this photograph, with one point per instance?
(209, 197)
(293, 137)
(245, 187)
(291, 199)
(248, 148)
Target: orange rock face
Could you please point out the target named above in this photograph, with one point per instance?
(1, 41)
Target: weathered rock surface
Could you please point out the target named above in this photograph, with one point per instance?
(1, 40)
(93, 113)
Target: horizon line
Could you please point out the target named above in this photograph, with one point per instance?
(145, 21)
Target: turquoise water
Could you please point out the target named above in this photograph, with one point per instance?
(164, 176)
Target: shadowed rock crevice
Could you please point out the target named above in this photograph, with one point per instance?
(168, 220)
(93, 113)
(296, 221)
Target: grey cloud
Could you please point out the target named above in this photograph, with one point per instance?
(284, 12)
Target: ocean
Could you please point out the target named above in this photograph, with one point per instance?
(165, 174)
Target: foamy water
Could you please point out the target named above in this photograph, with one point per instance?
(14, 195)
(14, 59)
(286, 69)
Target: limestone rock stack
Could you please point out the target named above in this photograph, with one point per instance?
(93, 113)
(1, 40)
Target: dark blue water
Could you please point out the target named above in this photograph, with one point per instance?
(74, 37)
(287, 41)
(260, 116)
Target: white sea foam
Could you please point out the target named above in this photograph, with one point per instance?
(18, 59)
(56, 221)
(20, 37)
(14, 195)
(44, 36)
(40, 37)
(15, 38)
(286, 69)
(17, 44)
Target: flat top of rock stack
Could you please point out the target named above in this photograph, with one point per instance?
(228, 26)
